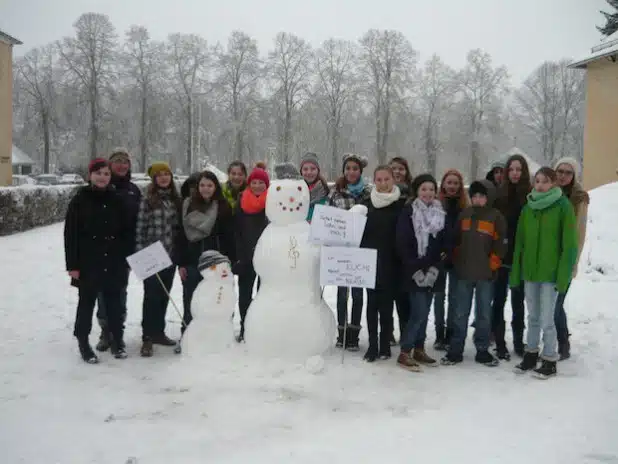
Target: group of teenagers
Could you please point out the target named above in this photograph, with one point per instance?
(429, 237)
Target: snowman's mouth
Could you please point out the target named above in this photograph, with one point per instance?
(224, 274)
(290, 207)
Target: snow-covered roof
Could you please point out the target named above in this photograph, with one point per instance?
(7, 39)
(20, 158)
(607, 48)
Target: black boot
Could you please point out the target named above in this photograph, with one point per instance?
(547, 370)
(518, 340)
(384, 351)
(85, 350)
(118, 348)
(440, 343)
(340, 337)
(103, 343)
(351, 342)
(529, 363)
(564, 349)
(372, 354)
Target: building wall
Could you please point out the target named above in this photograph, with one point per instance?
(601, 129)
(6, 113)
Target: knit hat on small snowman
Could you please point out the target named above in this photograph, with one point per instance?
(211, 258)
(310, 158)
(120, 154)
(571, 162)
(421, 179)
(97, 164)
(157, 168)
(286, 171)
(360, 160)
(259, 173)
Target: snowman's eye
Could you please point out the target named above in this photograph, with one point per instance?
(300, 189)
(278, 189)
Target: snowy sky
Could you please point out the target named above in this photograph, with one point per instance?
(518, 33)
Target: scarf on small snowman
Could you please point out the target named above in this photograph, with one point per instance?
(382, 200)
(427, 220)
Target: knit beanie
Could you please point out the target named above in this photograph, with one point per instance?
(157, 168)
(97, 164)
(360, 160)
(421, 179)
(571, 162)
(477, 187)
(286, 171)
(120, 154)
(310, 158)
(211, 258)
(259, 173)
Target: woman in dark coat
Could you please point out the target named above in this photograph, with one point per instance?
(384, 206)
(97, 241)
(249, 223)
(206, 224)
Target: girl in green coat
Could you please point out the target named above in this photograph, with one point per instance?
(543, 259)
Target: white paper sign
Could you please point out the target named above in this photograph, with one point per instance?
(336, 227)
(348, 267)
(149, 261)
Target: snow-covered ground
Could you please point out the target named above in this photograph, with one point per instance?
(56, 409)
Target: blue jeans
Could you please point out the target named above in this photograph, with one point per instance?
(439, 298)
(483, 291)
(541, 301)
(560, 318)
(416, 328)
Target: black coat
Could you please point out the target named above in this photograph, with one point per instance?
(379, 234)
(407, 249)
(131, 196)
(221, 238)
(97, 238)
(248, 228)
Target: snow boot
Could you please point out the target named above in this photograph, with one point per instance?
(529, 362)
(371, 355)
(340, 332)
(351, 339)
(118, 349)
(503, 353)
(547, 370)
(440, 343)
(450, 360)
(421, 357)
(163, 340)
(146, 350)
(406, 361)
(85, 350)
(486, 359)
(103, 343)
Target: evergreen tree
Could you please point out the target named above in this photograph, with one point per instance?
(611, 19)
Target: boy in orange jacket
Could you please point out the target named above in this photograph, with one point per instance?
(480, 246)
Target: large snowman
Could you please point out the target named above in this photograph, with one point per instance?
(211, 330)
(288, 317)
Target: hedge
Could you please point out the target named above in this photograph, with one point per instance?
(28, 206)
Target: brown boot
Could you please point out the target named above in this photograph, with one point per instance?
(406, 361)
(163, 340)
(146, 350)
(421, 356)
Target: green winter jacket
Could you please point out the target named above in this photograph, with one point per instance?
(229, 195)
(546, 242)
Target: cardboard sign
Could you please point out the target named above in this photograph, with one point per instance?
(336, 227)
(147, 262)
(348, 267)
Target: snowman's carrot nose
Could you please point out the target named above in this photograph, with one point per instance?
(291, 199)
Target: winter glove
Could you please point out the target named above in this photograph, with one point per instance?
(431, 276)
(494, 262)
(419, 278)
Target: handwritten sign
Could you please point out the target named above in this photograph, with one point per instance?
(336, 227)
(348, 267)
(147, 262)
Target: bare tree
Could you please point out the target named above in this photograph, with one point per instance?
(388, 61)
(39, 80)
(481, 83)
(437, 91)
(141, 57)
(290, 68)
(239, 69)
(335, 64)
(548, 105)
(189, 55)
(89, 57)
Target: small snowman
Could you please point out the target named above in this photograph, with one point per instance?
(211, 330)
(288, 317)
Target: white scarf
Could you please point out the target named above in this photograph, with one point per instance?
(427, 220)
(382, 200)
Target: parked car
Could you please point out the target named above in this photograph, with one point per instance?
(71, 179)
(19, 179)
(47, 179)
